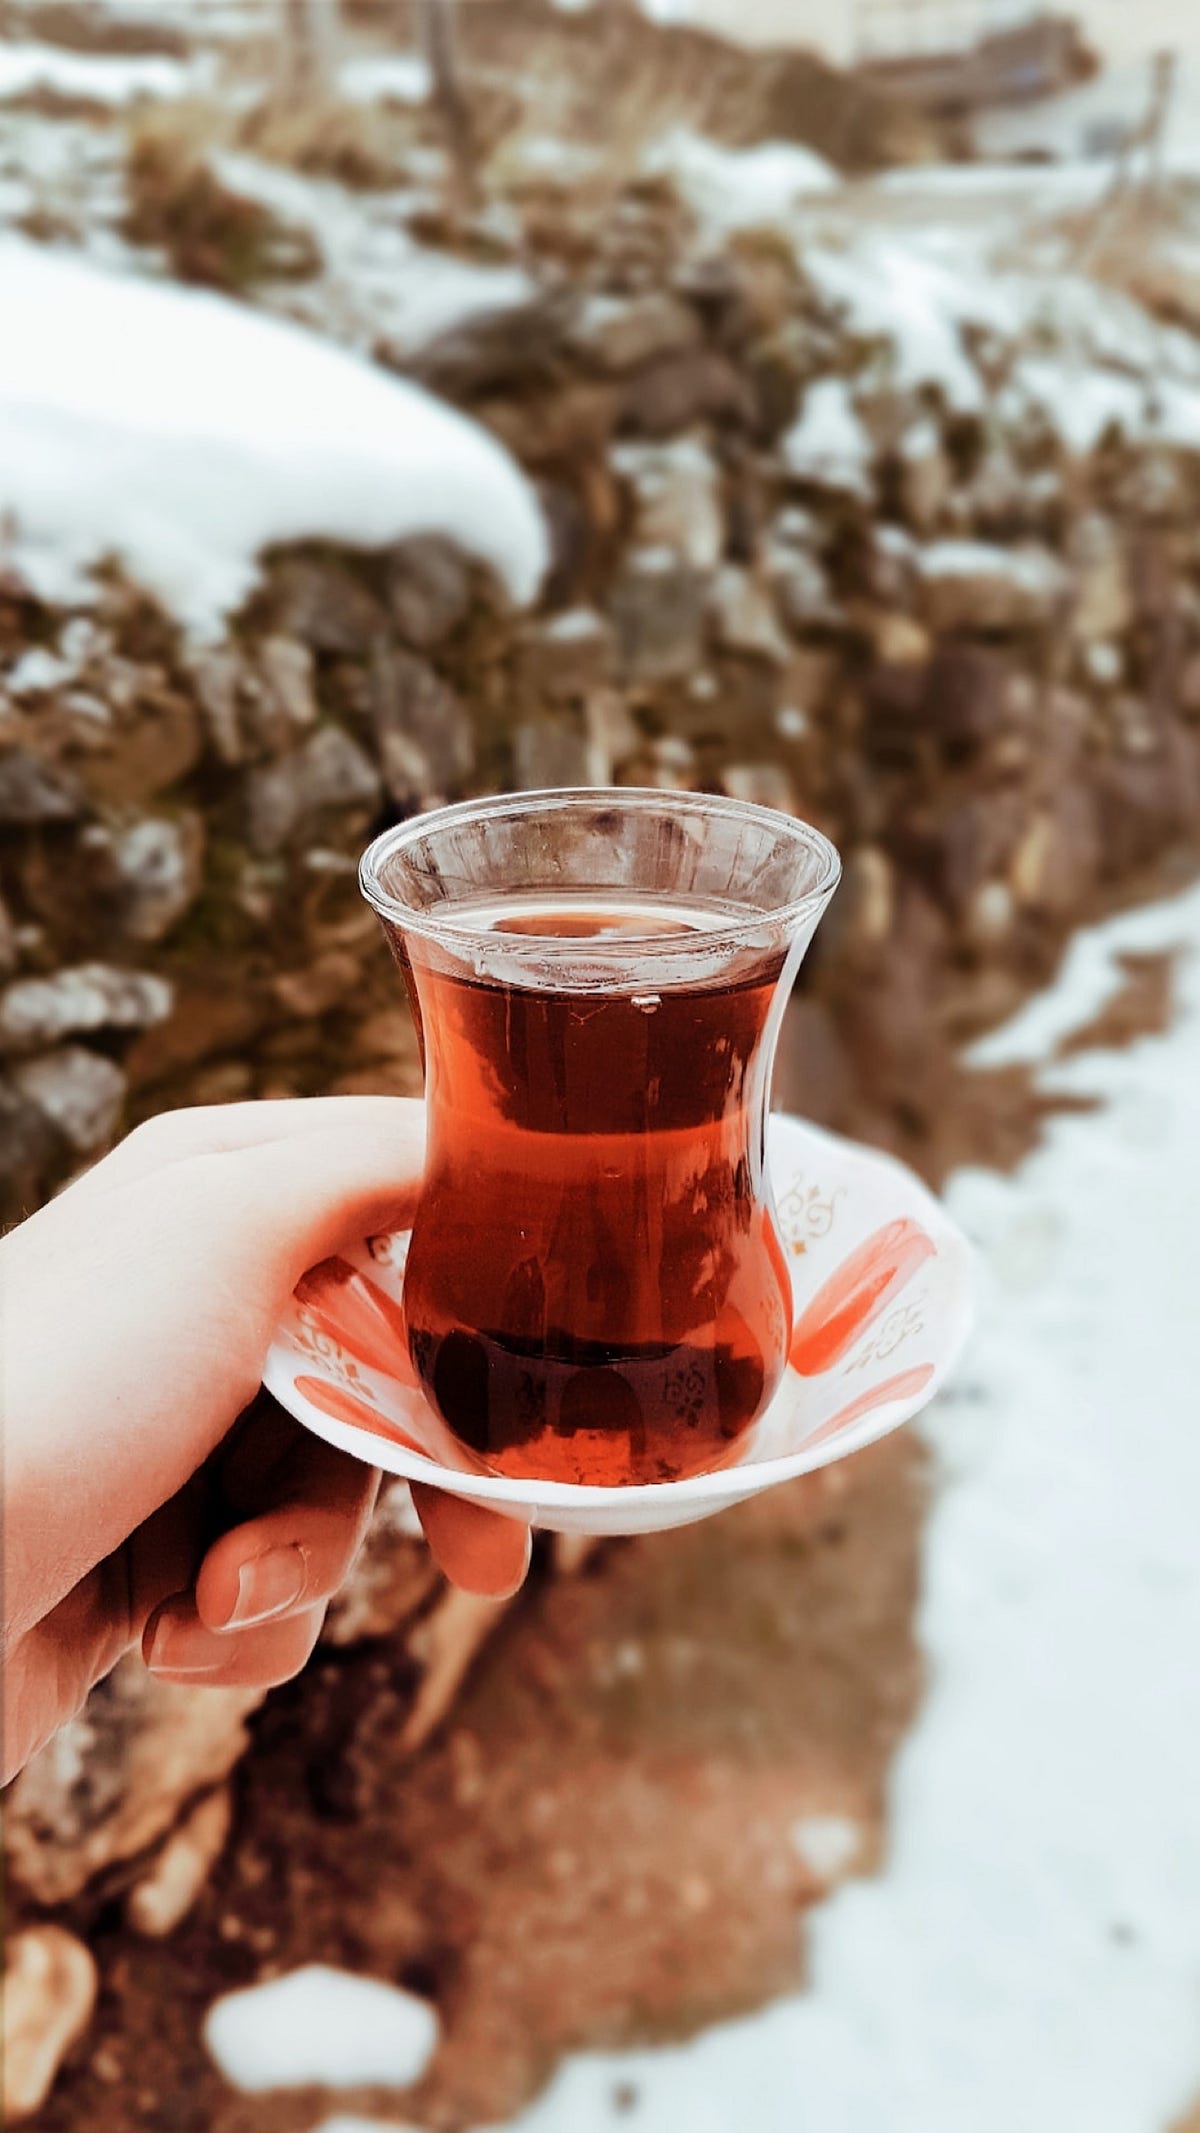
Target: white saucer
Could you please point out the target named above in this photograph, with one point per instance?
(882, 1284)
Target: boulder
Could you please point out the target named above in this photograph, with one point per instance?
(619, 334)
(976, 586)
(429, 589)
(1103, 599)
(50, 1985)
(677, 487)
(563, 657)
(743, 619)
(33, 791)
(283, 704)
(323, 605)
(680, 391)
(924, 477)
(88, 997)
(157, 869)
(284, 798)
(161, 1900)
(547, 753)
(79, 1093)
(217, 676)
(423, 732)
(658, 612)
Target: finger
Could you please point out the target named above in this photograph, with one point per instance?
(223, 1129)
(297, 1553)
(178, 1647)
(476, 1548)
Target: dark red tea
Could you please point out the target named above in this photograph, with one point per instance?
(595, 1290)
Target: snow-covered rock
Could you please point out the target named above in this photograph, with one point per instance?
(184, 433)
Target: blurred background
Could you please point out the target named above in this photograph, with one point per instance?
(402, 401)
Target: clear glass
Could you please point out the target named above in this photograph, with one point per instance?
(596, 1290)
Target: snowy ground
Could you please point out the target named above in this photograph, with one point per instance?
(1030, 1956)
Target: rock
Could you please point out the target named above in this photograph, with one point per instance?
(313, 990)
(681, 391)
(329, 771)
(973, 693)
(157, 739)
(50, 1985)
(678, 492)
(762, 784)
(567, 655)
(32, 791)
(163, 1897)
(547, 753)
(979, 837)
(29, 1146)
(512, 348)
(79, 1092)
(827, 446)
(158, 866)
(1056, 865)
(861, 916)
(924, 477)
(8, 941)
(423, 732)
(658, 611)
(802, 590)
(1102, 665)
(896, 640)
(114, 1779)
(325, 607)
(989, 917)
(216, 674)
(1103, 600)
(743, 619)
(972, 585)
(623, 333)
(1189, 688)
(392, 1580)
(428, 590)
(891, 567)
(284, 705)
(91, 996)
(613, 736)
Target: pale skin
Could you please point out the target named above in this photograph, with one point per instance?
(135, 1313)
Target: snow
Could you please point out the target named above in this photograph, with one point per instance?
(741, 188)
(377, 281)
(1030, 1954)
(184, 433)
(827, 443)
(321, 2025)
(395, 77)
(94, 77)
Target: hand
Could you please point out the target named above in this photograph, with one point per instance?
(135, 1312)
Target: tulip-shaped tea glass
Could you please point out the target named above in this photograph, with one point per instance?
(595, 1290)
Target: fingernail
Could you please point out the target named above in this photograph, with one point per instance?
(178, 1648)
(269, 1585)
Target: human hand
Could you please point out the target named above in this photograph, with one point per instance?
(135, 1313)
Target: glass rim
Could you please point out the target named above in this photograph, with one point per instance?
(431, 925)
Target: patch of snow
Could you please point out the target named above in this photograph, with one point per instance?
(827, 443)
(1091, 976)
(827, 1845)
(905, 295)
(377, 281)
(741, 188)
(1082, 402)
(36, 670)
(1029, 1956)
(184, 433)
(97, 77)
(392, 77)
(324, 2026)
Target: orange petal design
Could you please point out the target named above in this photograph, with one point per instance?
(344, 1406)
(853, 1298)
(356, 1312)
(902, 1387)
